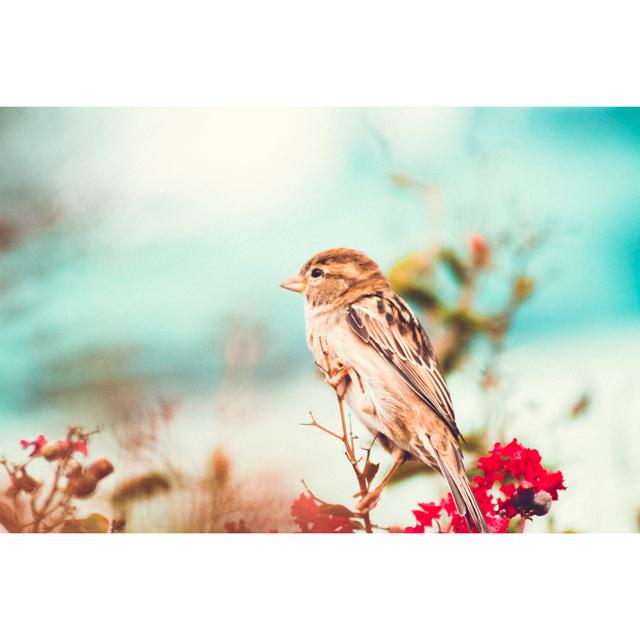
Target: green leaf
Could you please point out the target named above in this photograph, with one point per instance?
(402, 181)
(457, 267)
(95, 523)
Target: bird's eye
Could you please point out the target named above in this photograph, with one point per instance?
(316, 273)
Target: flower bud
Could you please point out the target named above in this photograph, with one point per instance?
(541, 503)
(220, 467)
(480, 251)
(522, 500)
(529, 502)
(101, 468)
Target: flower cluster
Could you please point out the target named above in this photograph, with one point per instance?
(43, 506)
(57, 449)
(511, 482)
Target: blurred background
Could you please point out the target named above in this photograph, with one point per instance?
(141, 252)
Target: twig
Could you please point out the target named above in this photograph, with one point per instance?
(306, 487)
(315, 423)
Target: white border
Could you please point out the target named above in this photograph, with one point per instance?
(322, 54)
(334, 53)
(305, 586)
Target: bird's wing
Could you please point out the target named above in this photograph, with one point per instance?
(390, 327)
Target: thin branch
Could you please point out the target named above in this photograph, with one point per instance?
(347, 438)
(317, 425)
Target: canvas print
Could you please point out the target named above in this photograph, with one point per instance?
(380, 320)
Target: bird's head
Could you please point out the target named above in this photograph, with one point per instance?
(336, 276)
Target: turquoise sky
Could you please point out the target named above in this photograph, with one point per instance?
(174, 227)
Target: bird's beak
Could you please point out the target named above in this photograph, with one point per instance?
(297, 284)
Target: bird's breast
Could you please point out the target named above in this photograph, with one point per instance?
(374, 393)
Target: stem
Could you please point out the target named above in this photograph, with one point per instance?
(523, 521)
(348, 445)
(39, 515)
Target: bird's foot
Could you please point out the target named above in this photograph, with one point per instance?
(339, 373)
(369, 501)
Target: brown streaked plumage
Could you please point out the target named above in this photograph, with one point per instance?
(388, 373)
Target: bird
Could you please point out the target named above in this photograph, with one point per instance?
(384, 367)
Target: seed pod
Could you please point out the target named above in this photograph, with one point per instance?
(73, 468)
(83, 485)
(55, 450)
(101, 468)
(52, 450)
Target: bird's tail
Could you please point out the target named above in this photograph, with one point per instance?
(449, 459)
(465, 501)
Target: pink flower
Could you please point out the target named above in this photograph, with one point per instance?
(66, 446)
(80, 446)
(38, 443)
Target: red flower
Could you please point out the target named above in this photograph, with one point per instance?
(310, 519)
(417, 529)
(497, 524)
(429, 511)
(480, 251)
(38, 443)
(529, 491)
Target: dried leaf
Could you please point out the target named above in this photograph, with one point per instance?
(141, 487)
(8, 518)
(580, 406)
(370, 470)
(523, 287)
(338, 510)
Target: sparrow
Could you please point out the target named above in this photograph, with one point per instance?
(384, 367)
